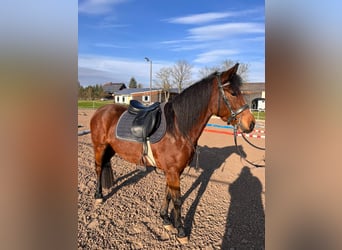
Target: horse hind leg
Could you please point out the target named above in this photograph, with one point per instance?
(104, 174)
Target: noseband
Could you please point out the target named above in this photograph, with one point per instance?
(233, 113)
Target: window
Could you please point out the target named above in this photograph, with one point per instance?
(145, 98)
(117, 99)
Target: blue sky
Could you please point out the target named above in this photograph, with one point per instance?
(114, 37)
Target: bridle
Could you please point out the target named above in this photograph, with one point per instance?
(233, 115)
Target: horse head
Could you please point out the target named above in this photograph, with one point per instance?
(232, 107)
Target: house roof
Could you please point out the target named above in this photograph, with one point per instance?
(134, 90)
(173, 90)
(253, 87)
(111, 87)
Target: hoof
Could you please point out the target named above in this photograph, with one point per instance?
(183, 240)
(98, 201)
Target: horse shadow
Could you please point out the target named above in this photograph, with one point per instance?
(131, 178)
(209, 160)
(245, 226)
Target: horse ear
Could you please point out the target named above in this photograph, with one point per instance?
(229, 73)
(234, 68)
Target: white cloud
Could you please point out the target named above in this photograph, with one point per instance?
(200, 18)
(215, 55)
(173, 41)
(184, 45)
(255, 39)
(210, 16)
(109, 69)
(233, 35)
(96, 7)
(110, 45)
(94, 69)
(220, 31)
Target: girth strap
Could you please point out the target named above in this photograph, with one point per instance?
(149, 155)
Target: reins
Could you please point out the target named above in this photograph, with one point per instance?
(233, 115)
(257, 147)
(237, 148)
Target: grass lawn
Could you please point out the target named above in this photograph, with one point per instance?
(259, 115)
(93, 104)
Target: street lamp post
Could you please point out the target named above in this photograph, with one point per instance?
(148, 60)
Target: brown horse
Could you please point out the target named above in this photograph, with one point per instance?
(186, 116)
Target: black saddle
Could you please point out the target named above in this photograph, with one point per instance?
(147, 119)
(135, 107)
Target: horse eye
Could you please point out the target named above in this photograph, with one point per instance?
(234, 93)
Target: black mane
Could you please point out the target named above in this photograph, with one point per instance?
(235, 83)
(188, 105)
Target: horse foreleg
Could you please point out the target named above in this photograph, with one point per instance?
(165, 208)
(173, 181)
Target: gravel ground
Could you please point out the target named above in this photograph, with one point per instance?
(223, 200)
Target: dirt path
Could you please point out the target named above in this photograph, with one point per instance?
(223, 199)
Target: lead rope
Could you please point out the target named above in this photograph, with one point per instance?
(243, 157)
(244, 137)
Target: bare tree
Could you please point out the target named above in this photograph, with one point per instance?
(206, 71)
(226, 64)
(163, 81)
(181, 75)
(242, 70)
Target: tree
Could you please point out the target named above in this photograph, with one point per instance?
(98, 91)
(206, 71)
(181, 75)
(163, 81)
(132, 83)
(226, 64)
(90, 92)
(242, 70)
(80, 90)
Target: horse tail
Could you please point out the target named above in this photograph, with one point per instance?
(107, 177)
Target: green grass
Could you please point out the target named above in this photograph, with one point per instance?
(93, 104)
(259, 115)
